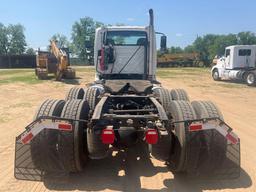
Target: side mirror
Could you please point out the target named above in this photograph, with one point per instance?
(163, 42)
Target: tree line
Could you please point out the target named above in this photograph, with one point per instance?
(12, 41)
(210, 45)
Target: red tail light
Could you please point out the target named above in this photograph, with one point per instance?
(195, 127)
(108, 135)
(151, 136)
(65, 127)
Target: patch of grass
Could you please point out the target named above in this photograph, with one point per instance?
(85, 69)
(6, 72)
(26, 76)
(181, 72)
(28, 79)
(166, 74)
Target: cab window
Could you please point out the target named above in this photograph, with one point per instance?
(244, 52)
(126, 38)
(227, 52)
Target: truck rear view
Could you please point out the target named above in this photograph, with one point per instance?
(127, 107)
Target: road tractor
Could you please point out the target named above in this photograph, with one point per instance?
(126, 107)
(239, 63)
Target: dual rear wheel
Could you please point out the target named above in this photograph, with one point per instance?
(202, 151)
(52, 150)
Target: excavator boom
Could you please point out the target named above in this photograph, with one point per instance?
(56, 61)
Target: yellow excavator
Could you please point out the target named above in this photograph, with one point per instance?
(55, 61)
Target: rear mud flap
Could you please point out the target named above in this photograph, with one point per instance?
(37, 151)
(24, 167)
(27, 166)
(210, 155)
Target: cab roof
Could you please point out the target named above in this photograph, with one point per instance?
(241, 46)
(125, 28)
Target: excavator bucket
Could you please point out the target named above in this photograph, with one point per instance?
(213, 150)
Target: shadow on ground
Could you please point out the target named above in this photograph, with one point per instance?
(179, 184)
(104, 174)
(71, 81)
(66, 81)
(232, 82)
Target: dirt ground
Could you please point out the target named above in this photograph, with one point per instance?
(19, 101)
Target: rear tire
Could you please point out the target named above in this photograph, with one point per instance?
(73, 145)
(43, 146)
(164, 96)
(75, 93)
(180, 111)
(91, 95)
(251, 79)
(179, 94)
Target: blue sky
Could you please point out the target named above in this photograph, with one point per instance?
(180, 20)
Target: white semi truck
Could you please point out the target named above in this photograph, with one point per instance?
(127, 108)
(238, 63)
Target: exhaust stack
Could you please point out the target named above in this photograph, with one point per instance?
(151, 18)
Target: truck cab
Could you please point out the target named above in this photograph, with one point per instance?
(238, 63)
(127, 52)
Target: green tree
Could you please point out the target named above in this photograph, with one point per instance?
(203, 47)
(17, 42)
(189, 49)
(3, 39)
(83, 32)
(61, 39)
(220, 43)
(30, 51)
(175, 50)
(246, 38)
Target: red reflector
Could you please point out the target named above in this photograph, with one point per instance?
(108, 136)
(195, 127)
(27, 138)
(65, 126)
(151, 136)
(231, 138)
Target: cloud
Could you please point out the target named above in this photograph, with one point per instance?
(179, 35)
(130, 19)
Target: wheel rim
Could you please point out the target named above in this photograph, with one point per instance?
(215, 75)
(250, 78)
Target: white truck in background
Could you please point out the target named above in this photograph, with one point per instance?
(238, 63)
